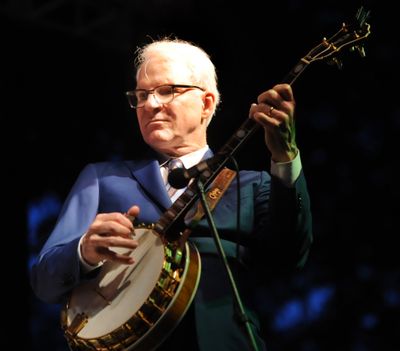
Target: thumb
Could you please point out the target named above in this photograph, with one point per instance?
(133, 211)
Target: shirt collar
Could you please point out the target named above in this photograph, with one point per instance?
(188, 160)
(194, 157)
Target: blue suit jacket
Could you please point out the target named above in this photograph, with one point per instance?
(275, 230)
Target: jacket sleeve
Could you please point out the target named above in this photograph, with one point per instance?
(283, 226)
(56, 270)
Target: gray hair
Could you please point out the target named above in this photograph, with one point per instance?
(195, 58)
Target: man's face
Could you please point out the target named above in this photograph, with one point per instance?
(179, 126)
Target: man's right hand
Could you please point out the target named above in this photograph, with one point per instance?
(109, 230)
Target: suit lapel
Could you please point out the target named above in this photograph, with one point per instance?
(147, 173)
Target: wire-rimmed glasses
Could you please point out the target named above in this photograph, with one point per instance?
(163, 94)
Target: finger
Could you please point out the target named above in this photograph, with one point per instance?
(285, 91)
(273, 111)
(270, 97)
(261, 108)
(123, 259)
(123, 219)
(113, 217)
(131, 215)
(265, 120)
(265, 97)
(111, 228)
(252, 110)
(100, 241)
(113, 256)
(133, 211)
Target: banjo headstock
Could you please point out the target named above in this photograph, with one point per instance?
(350, 36)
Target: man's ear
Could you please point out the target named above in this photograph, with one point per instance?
(208, 105)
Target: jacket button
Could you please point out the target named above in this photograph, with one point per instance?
(299, 202)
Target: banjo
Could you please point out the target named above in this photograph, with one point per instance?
(135, 307)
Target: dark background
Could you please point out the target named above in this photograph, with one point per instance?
(64, 68)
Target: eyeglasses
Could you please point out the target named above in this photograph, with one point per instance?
(163, 94)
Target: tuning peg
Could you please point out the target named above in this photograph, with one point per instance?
(361, 50)
(337, 62)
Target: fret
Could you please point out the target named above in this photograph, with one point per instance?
(296, 71)
(189, 192)
(169, 214)
(179, 203)
(158, 227)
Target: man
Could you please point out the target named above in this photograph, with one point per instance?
(175, 99)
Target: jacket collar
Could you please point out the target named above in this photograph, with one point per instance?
(147, 172)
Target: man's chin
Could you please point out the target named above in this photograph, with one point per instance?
(160, 140)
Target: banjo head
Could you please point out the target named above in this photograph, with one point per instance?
(125, 304)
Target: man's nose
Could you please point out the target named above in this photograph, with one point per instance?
(152, 100)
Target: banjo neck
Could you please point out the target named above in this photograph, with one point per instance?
(349, 36)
